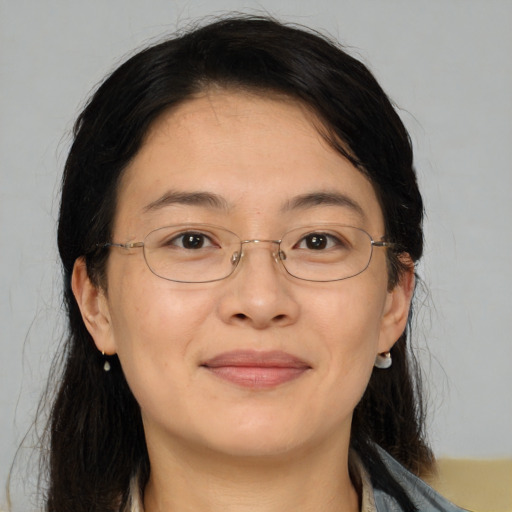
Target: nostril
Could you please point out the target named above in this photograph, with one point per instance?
(240, 316)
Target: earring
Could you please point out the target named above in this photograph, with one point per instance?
(106, 365)
(383, 360)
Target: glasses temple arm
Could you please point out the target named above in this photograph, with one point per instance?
(123, 246)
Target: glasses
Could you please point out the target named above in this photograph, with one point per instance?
(202, 253)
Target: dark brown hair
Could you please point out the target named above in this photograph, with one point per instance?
(95, 430)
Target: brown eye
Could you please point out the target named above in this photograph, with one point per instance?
(189, 240)
(316, 241)
(321, 241)
(192, 241)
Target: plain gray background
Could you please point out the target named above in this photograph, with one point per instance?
(448, 66)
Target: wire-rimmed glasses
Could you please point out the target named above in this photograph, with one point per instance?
(202, 253)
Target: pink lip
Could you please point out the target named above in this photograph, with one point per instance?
(256, 370)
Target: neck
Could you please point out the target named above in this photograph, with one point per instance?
(308, 480)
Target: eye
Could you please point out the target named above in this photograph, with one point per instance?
(319, 242)
(191, 240)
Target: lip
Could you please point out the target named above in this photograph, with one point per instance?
(256, 370)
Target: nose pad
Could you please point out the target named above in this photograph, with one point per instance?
(278, 255)
(235, 258)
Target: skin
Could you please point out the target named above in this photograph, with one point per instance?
(213, 444)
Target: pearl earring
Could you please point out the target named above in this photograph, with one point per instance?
(106, 365)
(383, 360)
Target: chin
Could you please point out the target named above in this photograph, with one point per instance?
(257, 445)
(272, 435)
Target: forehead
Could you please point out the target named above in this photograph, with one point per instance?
(257, 154)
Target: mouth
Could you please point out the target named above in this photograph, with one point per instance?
(256, 370)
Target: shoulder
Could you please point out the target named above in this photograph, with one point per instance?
(424, 497)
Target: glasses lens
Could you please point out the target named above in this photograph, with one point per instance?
(326, 253)
(192, 253)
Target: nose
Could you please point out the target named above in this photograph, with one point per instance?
(259, 294)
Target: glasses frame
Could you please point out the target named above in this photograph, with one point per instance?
(237, 256)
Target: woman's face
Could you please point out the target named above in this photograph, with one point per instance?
(260, 362)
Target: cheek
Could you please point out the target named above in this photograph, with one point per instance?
(155, 331)
(348, 322)
(153, 324)
(145, 308)
(351, 312)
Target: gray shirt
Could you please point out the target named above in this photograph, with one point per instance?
(423, 496)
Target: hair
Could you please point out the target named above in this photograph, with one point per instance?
(95, 434)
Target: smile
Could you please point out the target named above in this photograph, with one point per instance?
(256, 370)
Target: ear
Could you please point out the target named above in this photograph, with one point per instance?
(93, 305)
(396, 309)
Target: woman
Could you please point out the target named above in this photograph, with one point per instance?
(239, 225)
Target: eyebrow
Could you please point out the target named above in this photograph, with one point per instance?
(322, 198)
(211, 200)
(172, 197)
